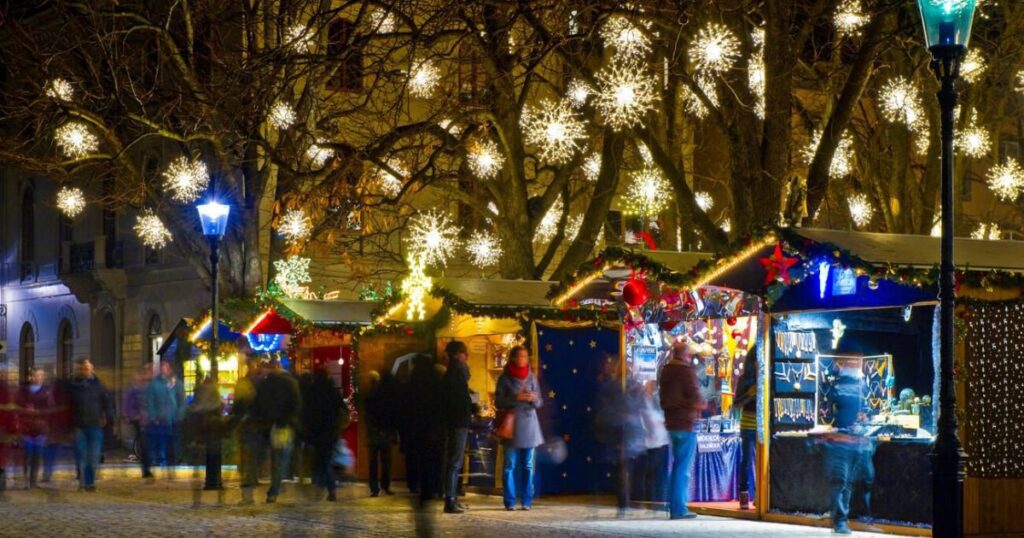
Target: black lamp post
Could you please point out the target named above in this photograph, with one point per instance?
(947, 29)
(214, 218)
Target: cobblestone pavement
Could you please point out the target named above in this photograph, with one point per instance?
(125, 506)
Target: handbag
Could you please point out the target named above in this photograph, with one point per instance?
(505, 424)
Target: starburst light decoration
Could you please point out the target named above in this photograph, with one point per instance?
(432, 237)
(555, 129)
(573, 227)
(292, 273)
(704, 200)
(841, 164)
(70, 201)
(423, 78)
(151, 230)
(388, 183)
(850, 17)
(693, 104)
(484, 249)
(318, 154)
(415, 287)
(76, 140)
(861, 210)
(755, 80)
(625, 93)
(383, 21)
(281, 115)
(577, 92)
(715, 50)
(973, 66)
(592, 167)
(648, 194)
(299, 38)
(726, 225)
(485, 160)
(548, 227)
(1006, 180)
(626, 37)
(645, 153)
(988, 231)
(60, 89)
(186, 179)
(295, 225)
(901, 103)
(973, 141)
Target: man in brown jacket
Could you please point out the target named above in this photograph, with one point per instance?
(682, 401)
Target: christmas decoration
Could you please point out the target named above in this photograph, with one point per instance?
(592, 167)
(1006, 180)
(625, 93)
(973, 141)
(703, 200)
(300, 39)
(841, 165)
(485, 160)
(387, 182)
(318, 154)
(484, 249)
(973, 66)
(715, 50)
(295, 226)
(186, 179)
(382, 21)
(70, 201)
(292, 273)
(151, 230)
(281, 115)
(726, 225)
(548, 226)
(577, 92)
(777, 266)
(433, 238)
(861, 210)
(635, 292)
(76, 140)
(60, 90)
(627, 39)
(415, 288)
(988, 231)
(648, 194)
(692, 104)
(901, 103)
(423, 78)
(555, 130)
(850, 17)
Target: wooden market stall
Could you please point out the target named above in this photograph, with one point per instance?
(186, 349)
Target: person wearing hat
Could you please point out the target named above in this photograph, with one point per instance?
(682, 402)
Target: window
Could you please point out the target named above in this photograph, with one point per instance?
(154, 341)
(65, 349)
(349, 57)
(472, 87)
(26, 352)
(28, 232)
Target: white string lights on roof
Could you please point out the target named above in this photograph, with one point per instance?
(70, 201)
(628, 39)
(555, 129)
(973, 66)
(151, 230)
(485, 161)
(281, 115)
(423, 78)
(715, 50)
(973, 141)
(850, 17)
(484, 249)
(861, 209)
(841, 164)
(704, 200)
(1006, 180)
(76, 140)
(295, 226)
(60, 89)
(648, 194)
(292, 273)
(625, 93)
(186, 179)
(577, 92)
(433, 237)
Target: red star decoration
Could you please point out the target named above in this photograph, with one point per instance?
(777, 265)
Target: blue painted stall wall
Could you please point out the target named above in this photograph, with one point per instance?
(806, 295)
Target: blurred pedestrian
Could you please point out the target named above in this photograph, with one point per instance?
(379, 420)
(620, 426)
(682, 402)
(278, 409)
(206, 424)
(653, 462)
(405, 426)
(848, 452)
(746, 402)
(457, 414)
(133, 408)
(161, 413)
(321, 408)
(426, 425)
(92, 409)
(517, 391)
(252, 440)
(8, 428)
(36, 406)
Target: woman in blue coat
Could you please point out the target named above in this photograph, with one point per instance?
(518, 390)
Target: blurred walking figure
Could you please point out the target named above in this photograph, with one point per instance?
(379, 418)
(321, 410)
(653, 462)
(424, 409)
(92, 409)
(206, 426)
(848, 452)
(278, 409)
(458, 413)
(619, 427)
(162, 402)
(8, 429)
(746, 402)
(252, 442)
(682, 401)
(37, 406)
(518, 391)
(133, 408)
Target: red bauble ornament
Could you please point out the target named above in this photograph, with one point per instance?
(635, 292)
(731, 320)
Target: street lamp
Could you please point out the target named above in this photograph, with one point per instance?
(947, 29)
(213, 217)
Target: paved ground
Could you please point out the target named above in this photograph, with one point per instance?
(125, 506)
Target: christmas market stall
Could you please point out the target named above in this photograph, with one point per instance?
(186, 348)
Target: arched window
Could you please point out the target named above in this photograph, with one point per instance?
(154, 340)
(28, 232)
(26, 352)
(65, 349)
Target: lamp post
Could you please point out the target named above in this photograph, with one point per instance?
(214, 219)
(947, 29)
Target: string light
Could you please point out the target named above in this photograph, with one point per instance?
(988, 231)
(484, 249)
(577, 92)
(485, 160)
(151, 230)
(433, 237)
(592, 167)
(281, 115)
(389, 184)
(423, 78)
(554, 129)
(291, 274)
(715, 50)
(1006, 180)
(299, 39)
(295, 226)
(415, 287)
(693, 104)
(725, 265)
(901, 103)
(70, 201)
(973, 141)
(573, 227)
(726, 225)
(548, 227)
(973, 66)
(704, 200)
(76, 140)
(627, 38)
(383, 21)
(649, 193)
(318, 154)
(850, 17)
(861, 209)
(755, 80)
(841, 164)
(186, 179)
(625, 93)
(60, 89)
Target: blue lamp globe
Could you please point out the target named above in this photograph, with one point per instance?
(214, 218)
(947, 23)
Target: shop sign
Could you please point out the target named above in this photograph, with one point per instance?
(844, 283)
(709, 442)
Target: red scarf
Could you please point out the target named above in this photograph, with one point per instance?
(517, 371)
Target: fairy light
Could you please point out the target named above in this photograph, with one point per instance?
(580, 284)
(850, 17)
(60, 90)
(755, 80)
(388, 183)
(648, 194)
(626, 37)
(861, 209)
(573, 227)
(485, 160)
(988, 231)
(70, 201)
(299, 39)
(577, 92)
(291, 274)
(415, 287)
(715, 50)
(186, 179)
(592, 167)
(383, 21)
(693, 104)
(76, 140)
(1006, 180)
(625, 93)
(645, 153)
(484, 249)
(556, 130)
(423, 78)
(973, 141)
(151, 230)
(901, 103)
(281, 115)
(726, 225)
(973, 66)
(704, 200)
(548, 226)
(841, 164)
(433, 237)
(295, 225)
(319, 154)
(726, 265)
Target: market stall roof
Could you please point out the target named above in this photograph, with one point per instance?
(196, 332)
(270, 322)
(596, 278)
(331, 312)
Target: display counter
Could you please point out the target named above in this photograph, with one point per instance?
(901, 493)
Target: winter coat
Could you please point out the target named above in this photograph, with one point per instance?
(321, 411)
(91, 403)
(37, 409)
(278, 402)
(680, 396)
(162, 401)
(527, 430)
(379, 413)
(458, 404)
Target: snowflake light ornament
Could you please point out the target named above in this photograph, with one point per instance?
(548, 227)
(151, 230)
(988, 231)
(484, 249)
(861, 210)
(423, 78)
(281, 115)
(300, 39)
(432, 237)
(383, 21)
(628, 39)
(292, 273)
(319, 154)
(973, 141)
(850, 17)
(726, 225)
(973, 66)
(555, 129)
(577, 92)
(388, 183)
(60, 90)
(592, 167)
(704, 200)
(485, 160)
(841, 164)
(415, 287)
(1006, 180)
(76, 140)
(70, 201)
(693, 104)
(648, 194)
(625, 93)
(186, 179)
(715, 50)
(901, 103)
(295, 226)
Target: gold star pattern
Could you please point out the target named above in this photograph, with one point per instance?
(551, 394)
(593, 344)
(548, 347)
(567, 438)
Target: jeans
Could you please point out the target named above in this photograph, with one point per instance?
(381, 454)
(37, 451)
(88, 446)
(846, 464)
(280, 465)
(456, 452)
(749, 447)
(517, 474)
(158, 437)
(684, 449)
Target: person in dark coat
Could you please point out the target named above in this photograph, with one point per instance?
(133, 408)
(458, 414)
(252, 439)
(277, 409)
(379, 419)
(424, 408)
(848, 452)
(36, 406)
(322, 411)
(518, 391)
(92, 409)
(682, 402)
(206, 420)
